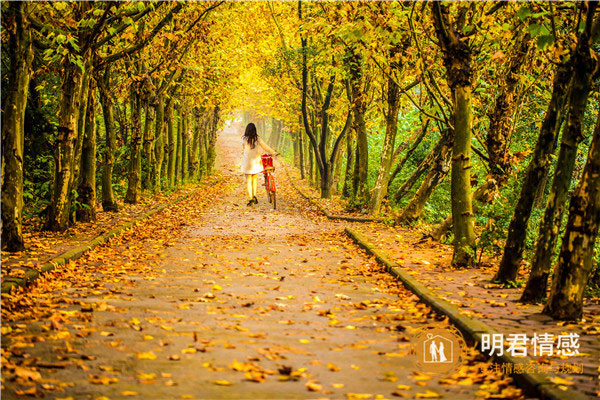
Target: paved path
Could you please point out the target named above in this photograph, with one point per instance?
(214, 299)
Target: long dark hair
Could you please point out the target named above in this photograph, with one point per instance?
(250, 135)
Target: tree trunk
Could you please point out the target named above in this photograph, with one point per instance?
(575, 261)
(202, 146)
(301, 148)
(195, 140)
(435, 176)
(540, 162)
(391, 127)
(13, 120)
(457, 61)
(409, 152)
(178, 146)
(159, 146)
(347, 189)
(108, 199)
(444, 142)
(211, 154)
(134, 177)
(59, 207)
(584, 66)
(462, 208)
(500, 117)
(81, 121)
(149, 137)
(359, 108)
(170, 145)
(86, 189)
(184, 147)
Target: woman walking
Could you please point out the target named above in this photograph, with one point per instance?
(253, 147)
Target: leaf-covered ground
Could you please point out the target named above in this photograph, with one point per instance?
(214, 299)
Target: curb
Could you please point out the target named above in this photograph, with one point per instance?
(322, 210)
(536, 384)
(32, 274)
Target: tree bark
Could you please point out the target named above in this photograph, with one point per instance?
(149, 137)
(108, 199)
(575, 261)
(170, 145)
(184, 147)
(13, 120)
(501, 126)
(347, 189)
(409, 152)
(159, 144)
(584, 66)
(134, 176)
(540, 162)
(195, 145)
(359, 108)
(457, 61)
(59, 207)
(391, 127)
(81, 121)
(86, 188)
(435, 176)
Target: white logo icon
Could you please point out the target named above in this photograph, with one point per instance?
(438, 349)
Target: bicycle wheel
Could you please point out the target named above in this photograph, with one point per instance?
(273, 191)
(267, 188)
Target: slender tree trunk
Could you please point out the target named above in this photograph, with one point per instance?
(134, 177)
(159, 144)
(195, 140)
(415, 143)
(202, 150)
(584, 66)
(391, 127)
(171, 145)
(81, 120)
(457, 61)
(13, 120)
(359, 108)
(86, 189)
(149, 137)
(301, 147)
(212, 139)
(178, 135)
(540, 162)
(576, 258)
(59, 207)
(444, 142)
(501, 125)
(435, 176)
(348, 183)
(184, 147)
(108, 198)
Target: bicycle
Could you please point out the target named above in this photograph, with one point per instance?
(268, 168)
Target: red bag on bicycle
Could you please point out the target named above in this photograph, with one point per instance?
(267, 160)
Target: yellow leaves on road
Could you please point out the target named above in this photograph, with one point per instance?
(147, 356)
(222, 382)
(313, 386)
(428, 394)
(103, 380)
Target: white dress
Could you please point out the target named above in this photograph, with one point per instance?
(251, 162)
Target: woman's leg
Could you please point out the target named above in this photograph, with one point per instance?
(254, 184)
(249, 185)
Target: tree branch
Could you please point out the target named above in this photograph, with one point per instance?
(143, 43)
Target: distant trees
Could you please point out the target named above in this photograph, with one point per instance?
(90, 55)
